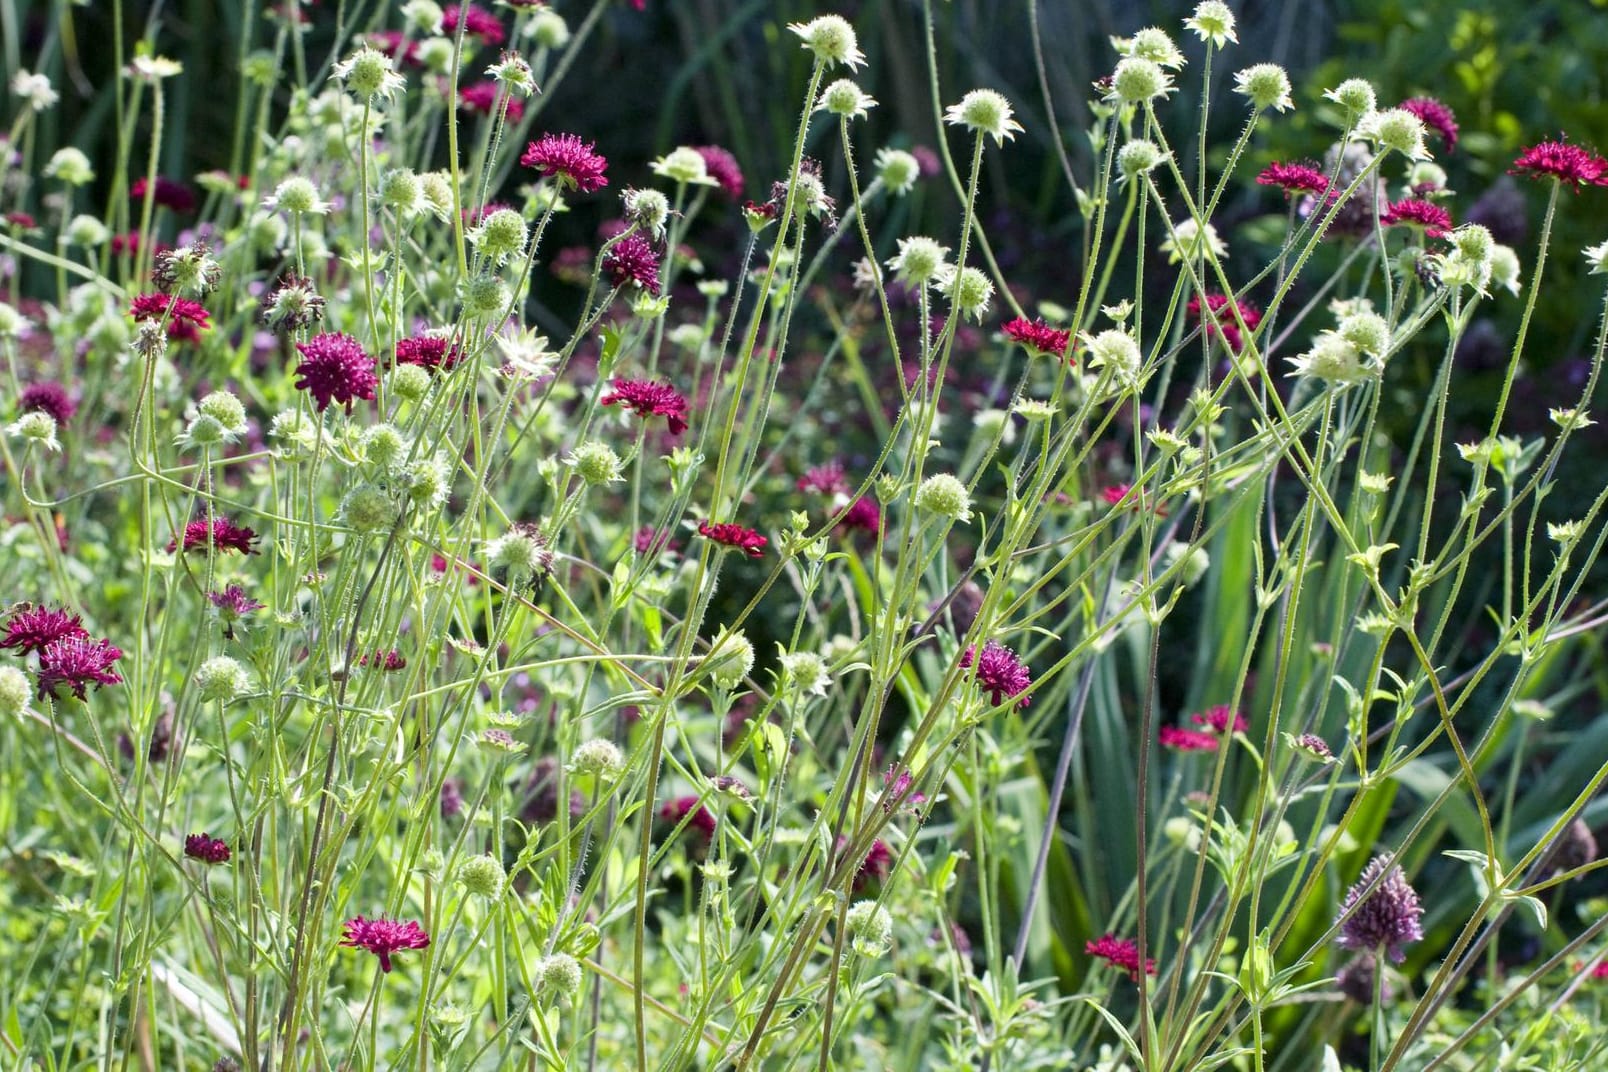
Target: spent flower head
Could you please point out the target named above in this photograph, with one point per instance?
(832, 39)
(845, 99)
(897, 169)
(1213, 22)
(684, 165)
(1265, 85)
(369, 73)
(920, 260)
(985, 112)
(1137, 80)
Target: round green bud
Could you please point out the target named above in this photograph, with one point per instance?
(298, 196)
(36, 428)
(222, 679)
(15, 692)
(435, 54)
(383, 444)
(548, 29)
(1116, 349)
(596, 463)
(12, 323)
(598, 757)
(204, 431)
(870, 928)
(226, 409)
(1137, 157)
(845, 99)
(1333, 359)
(648, 209)
(411, 382)
(944, 495)
(484, 295)
(437, 189)
(1137, 80)
(1156, 45)
(897, 169)
(1355, 96)
(296, 433)
(1398, 129)
(683, 165)
(426, 481)
(1367, 331)
(558, 975)
(500, 235)
(1214, 22)
(87, 232)
(369, 73)
(969, 290)
(367, 508)
(831, 38)
(401, 189)
(806, 672)
(520, 554)
(1265, 85)
(984, 112)
(482, 876)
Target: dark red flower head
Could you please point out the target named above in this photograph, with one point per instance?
(999, 673)
(209, 850)
(828, 479)
(1222, 321)
(1120, 953)
(77, 662)
(724, 169)
(1221, 720)
(1038, 336)
(1384, 918)
(1572, 164)
(1436, 116)
(863, 515)
(186, 319)
(48, 397)
(36, 628)
(1187, 740)
(220, 533)
(382, 937)
(632, 260)
(651, 541)
(1415, 212)
(1294, 178)
(702, 819)
(334, 368)
(648, 399)
(391, 660)
(569, 159)
(477, 22)
(482, 97)
(432, 352)
(732, 535)
(394, 43)
(169, 193)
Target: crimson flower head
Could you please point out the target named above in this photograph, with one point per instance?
(1120, 953)
(651, 541)
(432, 352)
(1222, 321)
(219, 533)
(482, 97)
(382, 937)
(999, 673)
(724, 169)
(828, 479)
(77, 662)
(1294, 178)
(568, 159)
(648, 399)
(702, 819)
(186, 319)
(391, 660)
(1572, 164)
(36, 628)
(876, 866)
(632, 260)
(334, 368)
(1436, 116)
(733, 535)
(477, 22)
(1416, 212)
(1219, 719)
(48, 397)
(209, 850)
(863, 515)
(169, 193)
(1181, 739)
(1383, 919)
(1038, 336)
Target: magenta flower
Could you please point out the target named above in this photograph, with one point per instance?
(702, 819)
(1120, 953)
(568, 159)
(999, 673)
(732, 535)
(382, 937)
(391, 660)
(1219, 719)
(1222, 321)
(432, 352)
(1181, 739)
(724, 169)
(1038, 336)
(334, 368)
(77, 662)
(1415, 212)
(632, 260)
(1294, 178)
(186, 319)
(209, 850)
(1559, 160)
(482, 97)
(651, 541)
(828, 479)
(233, 604)
(1436, 117)
(648, 399)
(166, 192)
(36, 628)
(863, 515)
(219, 533)
(1383, 919)
(47, 397)
(477, 22)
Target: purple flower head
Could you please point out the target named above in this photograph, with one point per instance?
(648, 399)
(36, 628)
(77, 662)
(999, 673)
(382, 937)
(724, 169)
(334, 368)
(632, 260)
(569, 159)
(209, 850)
(48, 397)
(1384, 918)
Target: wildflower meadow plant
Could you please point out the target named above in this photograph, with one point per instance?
(483, 594)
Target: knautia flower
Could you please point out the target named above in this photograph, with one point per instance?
(1121, 953)
(382, 937)
(596, 463)
(77, 662)
(1114, 349)
(831, 38)
(218, 533)
(431, 351)
(1383, 919)
(648, 399)
(1574, 165)
(232, 605)
(207, 849)
(1221, 319)
(724, 169)
(1138, 157)
(684, 165)
(869, 927)
(37, 429)
(1265, 85)
(296, 196)
(984, 112)
(36, 628)
(521, 555)
(335, 368)
(999, 673)
(1313, 746)
(1213, 23)
(845, 99)
(477, 22)
(1137, 80)
(944, 495)
(569, 160)
(1037, 336)
(729, 534)
(1396, 129)
(1426, 216)
(969, 290)
(1294, 178)
(369, 73)
(1436, 116)
(292, 305)
(1356, 98)
(482, 876)
(185, 318)
(920, 260)
(897, 169)
(632, 261)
